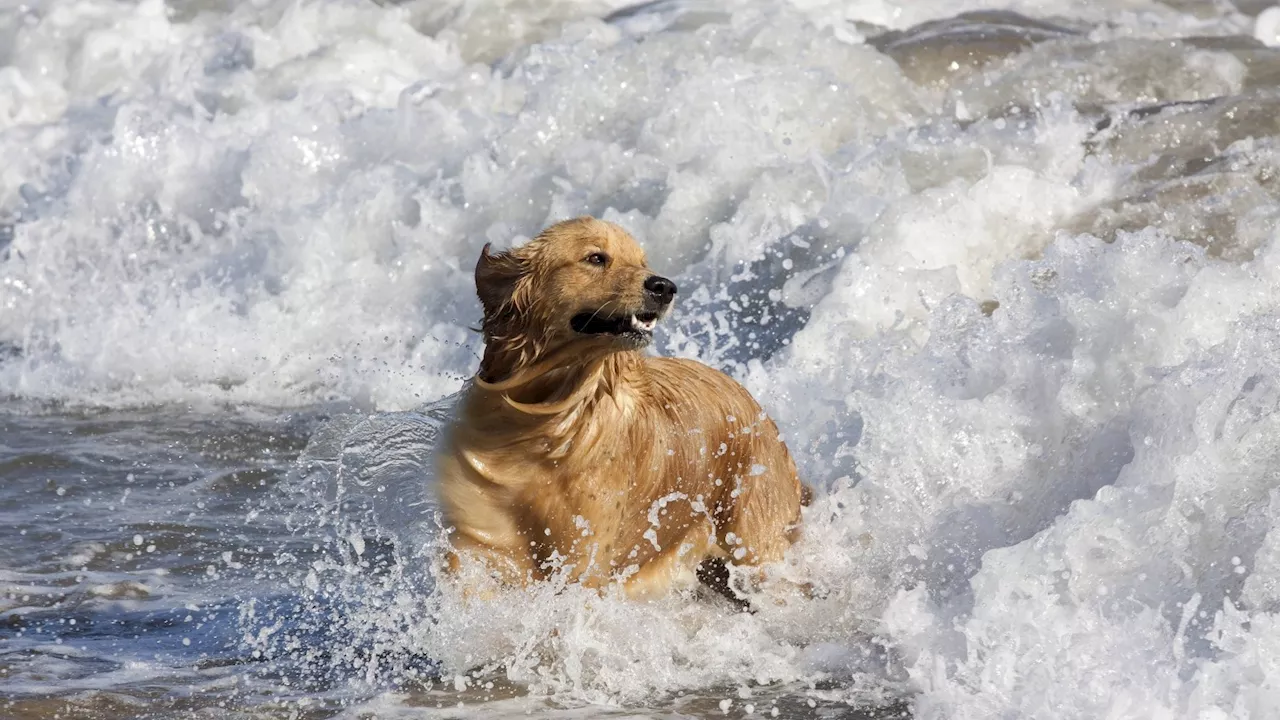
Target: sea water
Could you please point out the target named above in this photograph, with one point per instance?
(1007, 275)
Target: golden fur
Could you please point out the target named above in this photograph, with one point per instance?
(577, 451)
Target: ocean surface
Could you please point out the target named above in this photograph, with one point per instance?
(1006, 273)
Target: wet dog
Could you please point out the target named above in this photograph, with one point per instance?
(574, 452)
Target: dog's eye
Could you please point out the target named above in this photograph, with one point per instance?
(597, 259)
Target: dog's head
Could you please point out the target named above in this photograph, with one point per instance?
(582, 280)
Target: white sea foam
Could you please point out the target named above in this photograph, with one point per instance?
(1024, 341)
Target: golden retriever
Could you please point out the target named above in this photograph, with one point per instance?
(574, 452)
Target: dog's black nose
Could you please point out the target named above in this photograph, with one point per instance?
(660, 288)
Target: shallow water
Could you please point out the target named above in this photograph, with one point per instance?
(159, 564)
(1006, 273)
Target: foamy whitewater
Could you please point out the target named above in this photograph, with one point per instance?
(1007, 275)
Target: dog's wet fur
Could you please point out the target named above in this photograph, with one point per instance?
(573, 451)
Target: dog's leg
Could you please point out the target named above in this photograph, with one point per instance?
(499, 565)
(763, 524)
(674, 566)
(760, 527)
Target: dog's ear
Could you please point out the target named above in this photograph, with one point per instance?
(498, 281)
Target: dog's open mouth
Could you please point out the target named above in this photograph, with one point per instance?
(639, 324)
